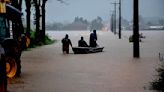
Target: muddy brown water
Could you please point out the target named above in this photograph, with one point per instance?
(46, 69)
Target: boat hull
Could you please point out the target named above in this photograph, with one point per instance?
(86, 50)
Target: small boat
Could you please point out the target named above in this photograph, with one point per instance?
(86, 50)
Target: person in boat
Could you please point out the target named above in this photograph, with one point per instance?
(93, 39)
(65, 44)
(82, 43)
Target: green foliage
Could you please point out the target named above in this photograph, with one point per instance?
(34, 44)
(48, 40)
(158, 84)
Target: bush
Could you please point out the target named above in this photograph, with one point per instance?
(158, 84)
(48, 40)
(34, 44)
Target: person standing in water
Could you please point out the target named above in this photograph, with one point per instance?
(65, 44)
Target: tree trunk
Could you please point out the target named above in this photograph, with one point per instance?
(17, 25)
(37, 14)
(37, 23)
(20, 5)
(43, 21)
(28, 17)
(37, 20)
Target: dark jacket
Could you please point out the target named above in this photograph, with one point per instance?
(93, 39)
(82, 43)
(66, 42)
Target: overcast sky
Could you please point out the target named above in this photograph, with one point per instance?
(90, 9)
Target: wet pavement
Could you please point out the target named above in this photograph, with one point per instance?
(46, 69)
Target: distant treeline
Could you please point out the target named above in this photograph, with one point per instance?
(79, 23)
(145, 23)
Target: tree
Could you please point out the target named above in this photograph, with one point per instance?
(17, 24)
(161, 22)
(125, 23)
(37, 19)
(149, 23)
(39, 9)
(28, 17)
(141, 20)
(43, 20)
(96, 23)
(40, 34)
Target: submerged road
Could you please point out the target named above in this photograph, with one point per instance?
(46, 69)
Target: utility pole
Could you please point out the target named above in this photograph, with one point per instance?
(112, 19)
(114, 22)
(119, 32)
(115, 19)
(136, 49)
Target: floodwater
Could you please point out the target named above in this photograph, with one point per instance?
(46, 69)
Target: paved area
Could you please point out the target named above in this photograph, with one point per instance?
(46, 69)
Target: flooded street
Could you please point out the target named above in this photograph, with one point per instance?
(46, 69)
